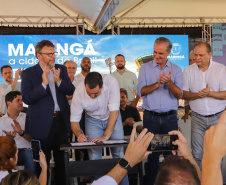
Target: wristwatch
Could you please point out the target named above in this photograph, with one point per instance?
(22, 134)
(124, 163)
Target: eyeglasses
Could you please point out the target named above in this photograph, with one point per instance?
(50, 54)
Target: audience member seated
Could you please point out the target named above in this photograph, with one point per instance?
(9, 158)
(22, 177)
(13, 124)
(176, 170)
(182, 169)
(130, 115)
(8, 85)
(137, 151)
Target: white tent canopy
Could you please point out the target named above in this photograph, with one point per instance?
(125, 12)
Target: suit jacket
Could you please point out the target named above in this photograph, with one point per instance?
(40, 101)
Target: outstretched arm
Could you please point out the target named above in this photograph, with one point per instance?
(135, 153)
(214, 149)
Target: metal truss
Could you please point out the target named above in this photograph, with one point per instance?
(204, 22)
(106, 14)
(165, 21)
(44, 21)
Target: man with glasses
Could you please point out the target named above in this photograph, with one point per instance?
(44, 89)
(8, 85)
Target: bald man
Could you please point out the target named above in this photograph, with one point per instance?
(86, 66)
(71, 69)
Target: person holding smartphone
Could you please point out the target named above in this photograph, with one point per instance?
(9, 158)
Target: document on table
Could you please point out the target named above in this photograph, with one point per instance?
(104, 142)
(83, 144)
(114, 141)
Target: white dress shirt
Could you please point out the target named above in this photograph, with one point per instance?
(99, 107)
(5, 88)
(105, 180)
(77, 79)
(5, 124)
(196, 80)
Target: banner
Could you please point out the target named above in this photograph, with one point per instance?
(219, 42)
(19, 50)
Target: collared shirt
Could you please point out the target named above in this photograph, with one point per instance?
(128, 80)
(5, 124)
(127, 113)
(52, 89)
(99, 107)
(196, 80)
(105, 180)
(161, 99)
(78, 78)
(4, 89)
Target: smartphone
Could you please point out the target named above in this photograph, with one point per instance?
(36, 148)
(162, 142)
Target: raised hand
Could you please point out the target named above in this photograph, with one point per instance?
(16, 127)
(10, 133)
(45, 76)
(56, 75)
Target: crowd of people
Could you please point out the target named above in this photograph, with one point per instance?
(98, 108)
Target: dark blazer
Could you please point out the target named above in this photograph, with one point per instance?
(40, 101)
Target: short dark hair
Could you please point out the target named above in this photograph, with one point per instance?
(94, 79)
(208, 47)
(41, 44)
(5, 66)
(122, 90)
(172, 165)
(164, 40)
(11, 96)
(120, 55)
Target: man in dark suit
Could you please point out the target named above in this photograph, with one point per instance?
(44, 88)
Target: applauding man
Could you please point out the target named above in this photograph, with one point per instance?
(44, 89)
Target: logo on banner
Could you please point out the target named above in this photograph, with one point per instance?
(176, 49)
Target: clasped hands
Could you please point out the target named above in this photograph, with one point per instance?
(204, 92)
(163, 78)
(45, 75)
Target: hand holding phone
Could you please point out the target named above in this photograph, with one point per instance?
(163, 142)
(36, 148)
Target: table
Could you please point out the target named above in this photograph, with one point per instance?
(94, 167)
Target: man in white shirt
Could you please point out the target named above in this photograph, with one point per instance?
(126, 79)
(100, 98)
(205, 88)
(13, 124)
(8, 85)
(86, 66)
